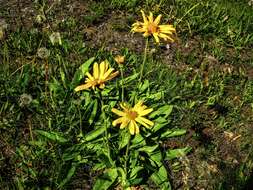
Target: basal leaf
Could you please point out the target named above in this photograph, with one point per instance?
(138, 141)
(81, 71)
(148, 149)
(125, 137)
(173, 133)
(128, 79)
(144, 86)
(164, 110)
(157, 96)
(105, 181)
(171, 154)
(160, 124)
(156, 157)
(94, 112)
(95, 133)
(135, 171)
(54, 136)
(70, 173)
(160, 178)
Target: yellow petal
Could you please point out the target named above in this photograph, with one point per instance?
(146, 34)
(150, 17)
(156, 37)
(83, 86)
(89, 76)
(102, 69)
(166, 37)
(95, 70)
(167, 27)
(144, 16)
(139, 104)
(124, 123)
(132, 127)
(137, 130)
(108, 72)
(117, 121)
(145, 112)
(102, 85)
(118, 112)
(142, 120)
(112, 76)
(158, 19)
(124, 106)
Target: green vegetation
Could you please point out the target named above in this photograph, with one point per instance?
(200, 89)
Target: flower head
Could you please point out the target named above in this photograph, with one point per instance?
(150, 26)
(101, 74)
(25, 100)
(55, 38)
(120, 59)
(130, 116)
(43, 53)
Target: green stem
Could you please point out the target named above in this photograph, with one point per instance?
(126, 156)
(144, 60)
(122, 86)
(106, 131)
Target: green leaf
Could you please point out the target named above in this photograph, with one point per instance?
(128, 79)
(70, 173)
(135, 181)
(160, 178)
(134, 158)
(144, 86)
(54, 136)
(95, 133)
(125, 137)
(171, 154)
(138, 141)
(148, 149)
(157, 96)
(156, 157)
(173, 133)
(55, 86)
(81, 71)
(105, 181)
(159, 124)
(164, 110)
(94, 112)
(122, 176)
(63, 78)
(99, 166)
(135, 171)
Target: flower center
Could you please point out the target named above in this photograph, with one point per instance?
(152, 28)
(132, 115)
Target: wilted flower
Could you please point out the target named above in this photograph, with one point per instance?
(43, 53)
(55, 38)
(120, 59)
(25, 99)
(3, 27)
(40, 19)
(250, 3)
(149, 27)
(131, 116)
(101, 74)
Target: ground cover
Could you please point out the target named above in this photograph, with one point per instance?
(204, 82)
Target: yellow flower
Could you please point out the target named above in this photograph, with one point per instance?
(120, 59)
(101, 74)
(149, 27)
(131, 116)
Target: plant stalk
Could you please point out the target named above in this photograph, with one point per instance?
(126, 156)
(106, 131)
(144, 60)
(122, 86)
